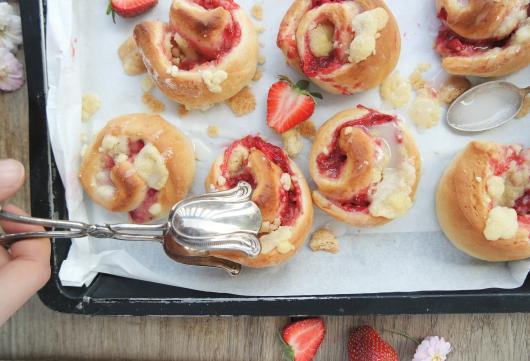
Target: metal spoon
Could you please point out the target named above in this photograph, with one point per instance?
(486, 106)
(218, 221)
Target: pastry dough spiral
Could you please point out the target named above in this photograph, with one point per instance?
(483, 201)
(138, 164)
(206, 54)
(343, 46)
(484, 37)
(366, 167)
(280, 191)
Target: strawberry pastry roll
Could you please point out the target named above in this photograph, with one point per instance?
(483, 201)
(280, 191)
(366, 167)
(343, 46)
(484, 37)
(206, 54)
(138, 164)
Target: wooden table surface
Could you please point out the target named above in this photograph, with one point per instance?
(37, 332)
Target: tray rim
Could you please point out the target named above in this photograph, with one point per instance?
(47, 200)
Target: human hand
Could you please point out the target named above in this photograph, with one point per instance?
(25, 268)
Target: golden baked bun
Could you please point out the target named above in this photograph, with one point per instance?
(484, 37)
(206, 54)
(342, 46)
(280, 191)
(366, 167)
(483, 201)
(139, 164)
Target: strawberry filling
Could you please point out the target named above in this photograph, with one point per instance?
(141, 214)
(313, 66)
(213, 4)
(449, 43)
(359, 203)
(291, 200)
(231, 36)
(331, 164)
(501, 166)
(317, 3)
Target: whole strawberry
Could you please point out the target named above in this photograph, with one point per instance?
(365, 344)
(289, 104)
(129, 8)
(303, 338)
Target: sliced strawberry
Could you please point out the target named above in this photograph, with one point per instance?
(288, 104)
(365, 344)
(303, 338)
(129, 8)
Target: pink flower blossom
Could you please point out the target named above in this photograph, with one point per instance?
(432, 348)
(10, 27)
(11, 71)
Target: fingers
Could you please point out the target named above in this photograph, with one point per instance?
(31, 249)
(11, 177)
(25, 270)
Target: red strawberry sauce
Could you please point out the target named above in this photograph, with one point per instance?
(291, 200)
(331, 164)
(317, 3)
(501, 166)
(232, 34)
(449, 43)
(140, 214)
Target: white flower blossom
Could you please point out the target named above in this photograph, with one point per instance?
(432, 348)
(11, 71)
(10, 27)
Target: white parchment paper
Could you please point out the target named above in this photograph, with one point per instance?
(409, 254)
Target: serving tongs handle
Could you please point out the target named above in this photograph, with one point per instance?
(73, 229)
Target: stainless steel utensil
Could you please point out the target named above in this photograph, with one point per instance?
(488, 100)
(217, 221)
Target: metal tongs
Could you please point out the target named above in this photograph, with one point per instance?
(219, 221)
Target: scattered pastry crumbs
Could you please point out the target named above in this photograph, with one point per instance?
(292, 142)
(155, 105)
(257, 11)
(182, 110)
(213, 131)
(147, 83)
(324, 240)
(130, 57)
(243, 102)
(416, 78)
(90, 104)
(525, 109)
(257, 75)
(396, 90)
(453, 88)
(425, 111)
(307, 129)
(259, 28)
(261, 59)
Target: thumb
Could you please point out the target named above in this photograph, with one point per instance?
(11, 177)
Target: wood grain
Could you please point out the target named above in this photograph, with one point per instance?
(38, 333)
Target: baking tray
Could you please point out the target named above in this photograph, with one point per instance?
(112, 295)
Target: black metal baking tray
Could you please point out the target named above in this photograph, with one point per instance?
(111, 295)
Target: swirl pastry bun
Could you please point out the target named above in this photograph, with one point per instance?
(343, 46)
(139, 164)
(484, 37)
(280, 191)
(206, 54)
(366, 167)
(483, 201)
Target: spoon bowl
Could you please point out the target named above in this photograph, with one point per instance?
(486, 106)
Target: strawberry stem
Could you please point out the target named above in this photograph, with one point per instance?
(288, 352)
(410, 338)
(110, 10)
